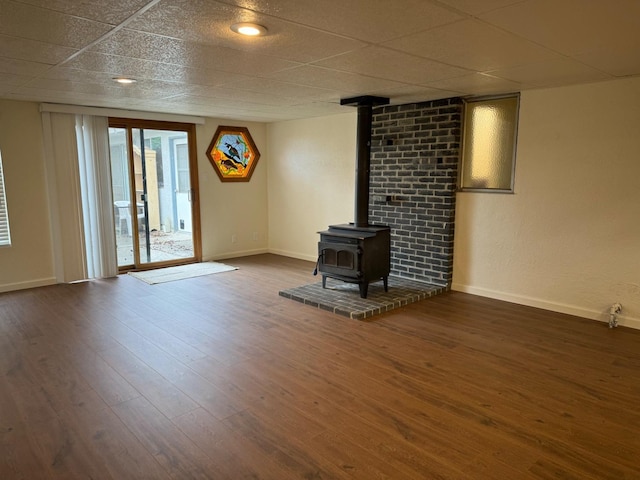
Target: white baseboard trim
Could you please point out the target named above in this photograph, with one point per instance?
(299, 256)
(241, 253)
(623, 321)
(41, 282)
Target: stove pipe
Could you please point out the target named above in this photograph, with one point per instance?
(363, 166)
(365, 106)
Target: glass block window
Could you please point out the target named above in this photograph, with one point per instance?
(489, 144)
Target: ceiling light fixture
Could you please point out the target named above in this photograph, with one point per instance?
(249, 29)
(124, 80)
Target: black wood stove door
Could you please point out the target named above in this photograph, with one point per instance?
(339, 259)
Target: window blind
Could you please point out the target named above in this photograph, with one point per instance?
(5, 238)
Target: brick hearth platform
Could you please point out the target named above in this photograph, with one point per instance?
(344, 298)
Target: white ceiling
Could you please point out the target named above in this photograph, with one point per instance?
(187, 60)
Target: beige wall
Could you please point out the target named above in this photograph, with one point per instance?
(568, 240)
(29, 260)
(232, 210)
(311, 181)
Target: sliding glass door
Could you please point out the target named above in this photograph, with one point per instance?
(154, 183)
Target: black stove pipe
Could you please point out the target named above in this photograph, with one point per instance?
(365, 106)
(363, 166)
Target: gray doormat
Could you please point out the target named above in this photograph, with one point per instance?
(344, 298)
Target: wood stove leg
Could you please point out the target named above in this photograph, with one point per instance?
(385, 280)
(324, 281)
(364, 287)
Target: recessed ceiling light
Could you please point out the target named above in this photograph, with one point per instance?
(249, 29)
(124, 80)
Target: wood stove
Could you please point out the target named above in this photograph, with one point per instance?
(355, 254)
(358, 252)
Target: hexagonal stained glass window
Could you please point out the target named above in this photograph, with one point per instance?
(233, 154)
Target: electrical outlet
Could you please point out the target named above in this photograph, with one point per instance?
(234, 238)
(255, 236)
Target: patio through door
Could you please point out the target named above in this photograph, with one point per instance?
(154, 183)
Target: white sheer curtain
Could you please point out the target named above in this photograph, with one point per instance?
(97, 199)
(79, 185)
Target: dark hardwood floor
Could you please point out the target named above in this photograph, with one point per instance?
(218, 377)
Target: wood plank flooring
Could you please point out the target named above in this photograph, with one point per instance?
(218, 377)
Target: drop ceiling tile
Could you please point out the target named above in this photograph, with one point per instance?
(397, 66)
(333, 79)
(109, 66)
(12, 80)
(112, 12)
(117, 65)
(193, 90)
(183, 108)
(368, 20)
(417, 94)
(74, 98)
(318, 109)
(147, 90)
(286, 89)
(138, 45)
(475, 7)
(70, 87)
(552, 73)
(472, 44)
(62, 74)
(233, 61)
(22, 67)
(271, 113)
(571, 26)
(478, 84)
(622, 62)
(33, 51)
(297, 44)
(225, 108)
(33, 23)
(231, 96)
(61, 86)
(194, 107)
(206, 19)
(213, 102)
(147, 46)
(209, 24)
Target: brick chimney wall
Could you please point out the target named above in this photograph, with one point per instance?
(415, 150)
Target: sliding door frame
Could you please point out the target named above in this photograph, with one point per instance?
(190, 129)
